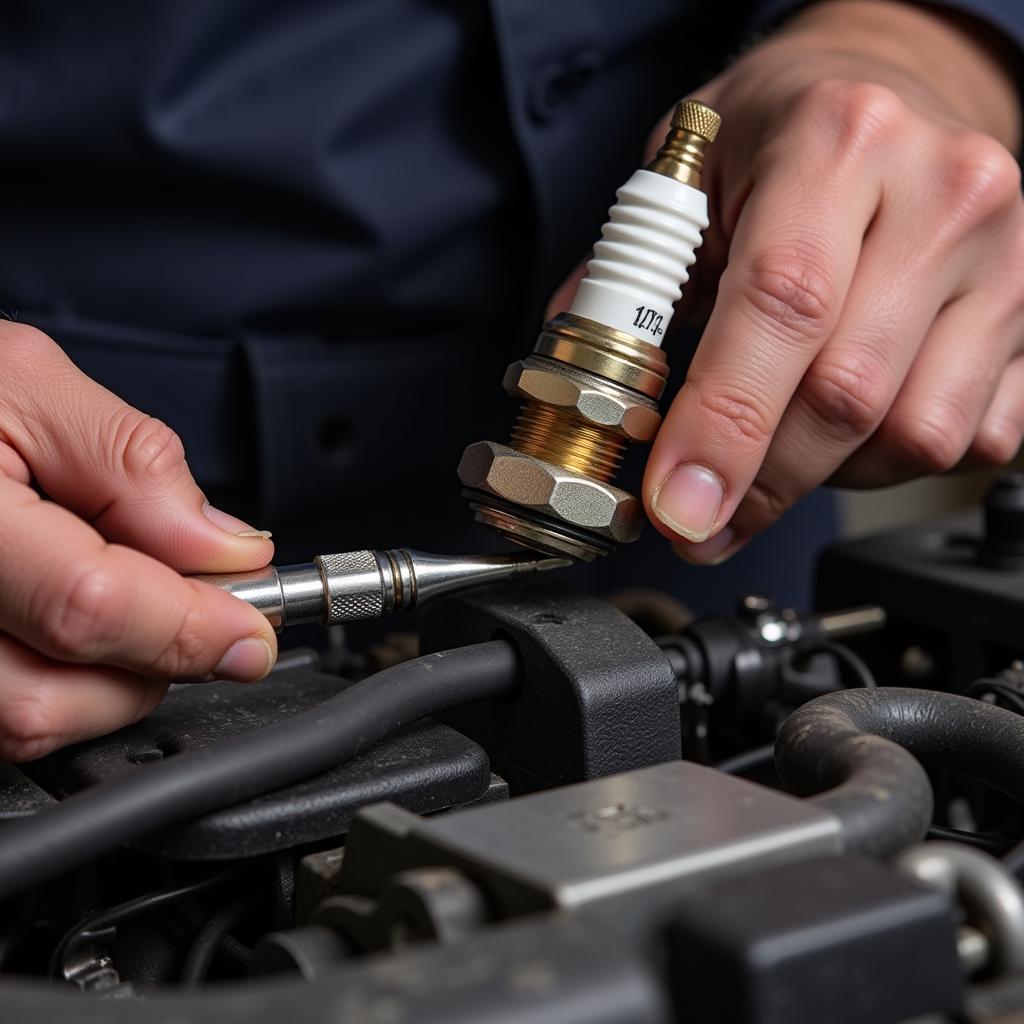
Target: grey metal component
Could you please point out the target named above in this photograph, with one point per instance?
(316, 879)
(990, 894)
(853, 621)
(595, 399)
(93, 972)
(972, 948)
(433, 903)
(303, 590)
(783, 625)
(424, 904)
(261, 588)
(356, 585)
(441, 574)
(312, 953)
(530, 972)
(617, 848)
(580, 501)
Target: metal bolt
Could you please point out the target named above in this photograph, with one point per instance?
(917, 663)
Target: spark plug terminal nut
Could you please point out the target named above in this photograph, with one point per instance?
(592, 384)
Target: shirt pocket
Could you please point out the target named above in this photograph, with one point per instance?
(376, 423)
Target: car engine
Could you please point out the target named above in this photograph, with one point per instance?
(562, 808)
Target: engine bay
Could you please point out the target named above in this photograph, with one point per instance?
(563, 808)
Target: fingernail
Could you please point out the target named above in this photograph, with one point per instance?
(246, 660)
(231, 523)
(709, 552)
(688, 501)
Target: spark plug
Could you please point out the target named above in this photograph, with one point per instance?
(592, 383)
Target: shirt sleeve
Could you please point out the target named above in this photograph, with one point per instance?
(1006, 16)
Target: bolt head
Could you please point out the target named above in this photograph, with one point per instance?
(599, 402)
(539, 486)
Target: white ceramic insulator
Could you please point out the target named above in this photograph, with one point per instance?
(640, 264)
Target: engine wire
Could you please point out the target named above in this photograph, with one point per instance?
(1011, 697)
(109, 917)
(848, 659)
(760, 757)
(996, 845)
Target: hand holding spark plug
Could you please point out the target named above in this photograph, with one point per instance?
(867, 245)
(869, 324)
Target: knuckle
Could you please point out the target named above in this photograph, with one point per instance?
(849, 393)
(981, 175)
(187, 652)
(148, 447)
(737, 413)
(82, 619)
(929, 442)
(858, 112)
(793, 293)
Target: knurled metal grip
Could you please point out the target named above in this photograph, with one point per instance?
(353, 584)
(695, 118)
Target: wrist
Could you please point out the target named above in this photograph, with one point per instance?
(959, 62)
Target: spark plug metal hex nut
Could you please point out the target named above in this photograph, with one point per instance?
(596, 401)
(578, 501)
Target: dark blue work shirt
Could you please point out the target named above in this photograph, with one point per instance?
(310, 235)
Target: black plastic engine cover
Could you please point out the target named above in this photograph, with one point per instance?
(943, 597)
(836, 940)
(427, 767)
(598, 695)
(19, 795)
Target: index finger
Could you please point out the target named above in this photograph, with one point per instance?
(792, 259)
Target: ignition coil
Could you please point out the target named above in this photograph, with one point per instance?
(596, 373)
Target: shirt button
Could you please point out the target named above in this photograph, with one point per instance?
(557, 81)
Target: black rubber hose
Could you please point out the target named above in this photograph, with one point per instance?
(210, 939)
(858, 749)
(190, 784)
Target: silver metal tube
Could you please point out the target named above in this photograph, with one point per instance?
(440, 574)
(303, 589)
(368, 584)
(837, 625)
(261, 588)
(988, 892)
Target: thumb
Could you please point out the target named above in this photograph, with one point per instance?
(117, 468)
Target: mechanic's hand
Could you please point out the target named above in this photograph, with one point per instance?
(94, 619)
(868, 327)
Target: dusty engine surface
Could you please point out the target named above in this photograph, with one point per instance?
(759, 818)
